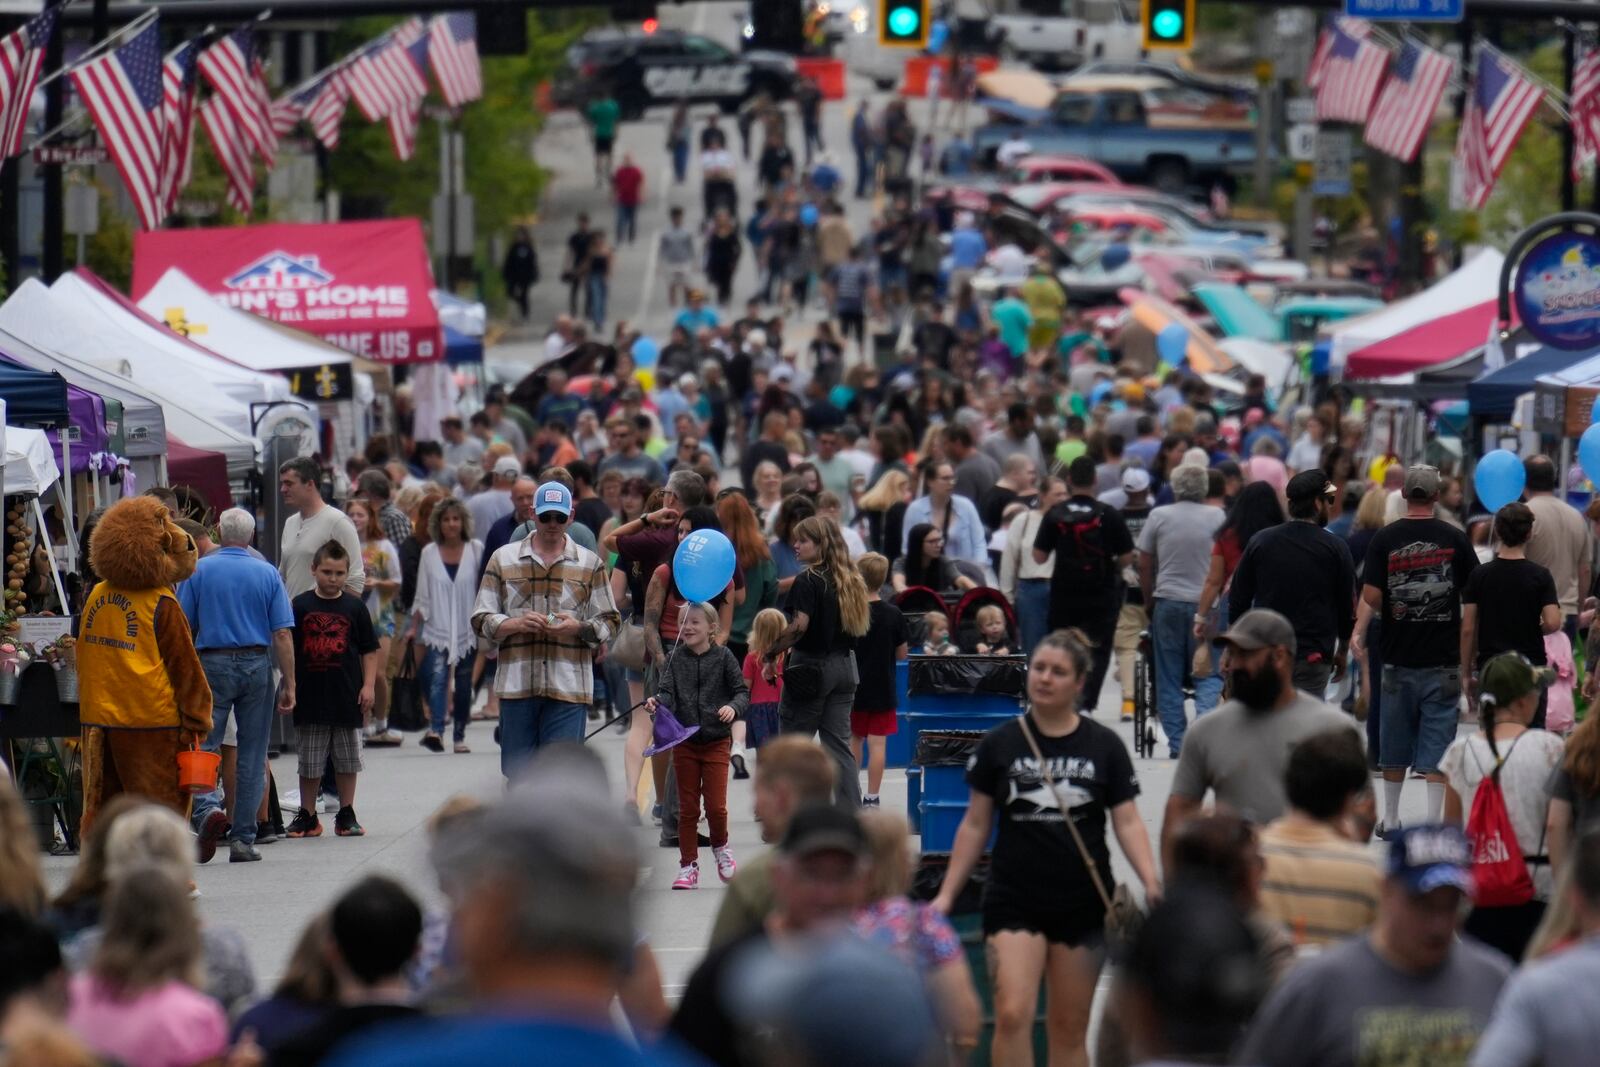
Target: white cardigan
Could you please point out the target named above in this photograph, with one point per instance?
(445, 603)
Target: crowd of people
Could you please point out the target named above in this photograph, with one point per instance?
(1326, 618)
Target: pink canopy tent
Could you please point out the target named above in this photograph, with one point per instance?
(1429, 344)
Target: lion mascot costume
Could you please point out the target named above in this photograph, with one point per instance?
(142, 693)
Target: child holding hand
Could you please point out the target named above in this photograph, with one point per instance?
(761, 721)
(701, 684)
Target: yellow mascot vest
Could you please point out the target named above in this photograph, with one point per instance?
(123, 681)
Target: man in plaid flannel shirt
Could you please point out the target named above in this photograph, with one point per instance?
(546, 602)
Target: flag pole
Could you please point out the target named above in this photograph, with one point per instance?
(339, 64)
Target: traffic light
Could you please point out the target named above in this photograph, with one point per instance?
(903, 23)
(1167, 23)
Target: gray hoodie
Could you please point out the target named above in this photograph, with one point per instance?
(694, 687)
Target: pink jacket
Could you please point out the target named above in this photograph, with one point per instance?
(1558, 714)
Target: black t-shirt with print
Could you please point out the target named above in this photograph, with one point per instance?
(330, 637)
(1421, 566)
(1134, 519)
(1510, 595)
(875, 659)
(1036, 864)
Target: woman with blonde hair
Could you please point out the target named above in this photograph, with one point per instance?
(447, 585)
(381, 559)
(915, 932)
(139, 1002)
(884, 508)
(828, 609)
(21, 886)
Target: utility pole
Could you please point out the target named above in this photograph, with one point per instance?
(10, 201)
(1569, 59)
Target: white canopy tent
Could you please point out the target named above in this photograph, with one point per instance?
(30, 464)
(194, 409)
(85, 298)
(1476, 281)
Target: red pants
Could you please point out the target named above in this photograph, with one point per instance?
(702, 770)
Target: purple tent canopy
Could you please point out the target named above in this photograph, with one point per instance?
(87, 433)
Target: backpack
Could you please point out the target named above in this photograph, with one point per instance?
(1082, 563)
(1500, 874)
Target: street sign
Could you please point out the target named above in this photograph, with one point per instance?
(66, 153)
(1302, 142)
(1330, 175)
(1300, 109)
(1404, 10)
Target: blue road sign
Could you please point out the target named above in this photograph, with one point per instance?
(1404, 10)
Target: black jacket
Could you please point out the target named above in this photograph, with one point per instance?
(694, 687)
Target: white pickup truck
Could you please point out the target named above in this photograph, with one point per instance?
(1062, 42)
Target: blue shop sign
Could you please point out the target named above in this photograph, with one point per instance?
(1557, 290)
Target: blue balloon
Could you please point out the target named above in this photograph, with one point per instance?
(808, 214)
(1172, 343)
(1100, 392)
(1499, 477)
(1589, 452)
(645, 352)
(703, 565)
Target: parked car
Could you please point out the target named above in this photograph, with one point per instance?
(644, 70)
(1056, 168)
(1152, 68)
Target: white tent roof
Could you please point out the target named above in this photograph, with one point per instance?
(1476, 281)
(240, 336)
(81, 299)
(30, 464)
(196, 411)
(144, 422)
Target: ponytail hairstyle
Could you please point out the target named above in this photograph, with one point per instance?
(1486, 709)
(834, 564)
(1075, 643)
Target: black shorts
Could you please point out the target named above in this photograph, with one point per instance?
(1082, 927)
(602, 145)
(853, 322)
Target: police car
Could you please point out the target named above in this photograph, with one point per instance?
(644, 70)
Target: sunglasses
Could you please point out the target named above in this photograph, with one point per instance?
(552, 518)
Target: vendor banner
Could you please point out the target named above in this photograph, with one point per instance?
(1557, 290)
(363, 286)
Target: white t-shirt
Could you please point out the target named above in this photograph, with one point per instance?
(302, 538)
(1523, 779)
(1011, 151)
(713, 160)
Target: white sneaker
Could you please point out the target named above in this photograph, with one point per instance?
(330, 804)
(726, 868)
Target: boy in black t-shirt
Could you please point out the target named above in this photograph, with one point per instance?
(335, 669)
(872, 716)
(1509, 603)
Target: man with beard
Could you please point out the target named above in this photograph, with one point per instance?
(1241, 750)
(1305, 573)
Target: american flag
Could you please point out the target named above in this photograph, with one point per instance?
(385, 76)
(404, 118)
(1585, 107)
(232, 152)
(285, 113)
(326, 109)
(21, 56)
(235, 73)
(454, 54)
(1408, 101)
(1345, 71)
(1498, 108)
(122, 90)
(180, 89)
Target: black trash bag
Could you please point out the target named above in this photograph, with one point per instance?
(1000, 675)
(930, 874)
(946, 748)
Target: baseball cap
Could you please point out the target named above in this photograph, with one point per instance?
(1135, 480)
(1309, 485)
(1422, 482)
(1510, 675)
(783, 373)
(823, 828)
(1425, 858)
(552, 496)
(1259, 628)
(507, 465)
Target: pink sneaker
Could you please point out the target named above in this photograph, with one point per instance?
(688, 877)
(725, 865)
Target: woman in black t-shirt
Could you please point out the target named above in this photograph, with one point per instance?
(827, 610)
(1043, 917)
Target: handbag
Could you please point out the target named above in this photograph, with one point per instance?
(626, 649)
(405, 695)
(1124, 915)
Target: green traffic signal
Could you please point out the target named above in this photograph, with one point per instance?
(1167, 23)
(903, 23)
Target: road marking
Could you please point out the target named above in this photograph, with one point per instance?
(652, 254)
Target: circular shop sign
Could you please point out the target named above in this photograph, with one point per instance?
(1557, 291)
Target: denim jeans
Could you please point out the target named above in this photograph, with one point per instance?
(627, 222)
(680, 160)
(1172, 634)
(599, 289)
(1419, 716)
(864, 172)
(241, 683)
(528, 724)
(435, 677)
(1033, 611)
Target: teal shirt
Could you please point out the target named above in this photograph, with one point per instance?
(760, 591)
(603, 116)
(1014, 319)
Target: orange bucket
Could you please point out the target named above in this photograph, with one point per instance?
(197, 769)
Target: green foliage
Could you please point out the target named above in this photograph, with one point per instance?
(109, 251)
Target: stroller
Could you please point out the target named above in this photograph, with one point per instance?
(915, 602)
(964, 623)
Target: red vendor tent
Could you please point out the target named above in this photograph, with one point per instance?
(1439, 341)
(204, 472)
(364, 286)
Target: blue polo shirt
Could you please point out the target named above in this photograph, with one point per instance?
(234, 600)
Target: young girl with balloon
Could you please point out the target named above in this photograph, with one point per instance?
(705, 574)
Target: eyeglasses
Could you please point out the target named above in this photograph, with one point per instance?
(552, 518)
